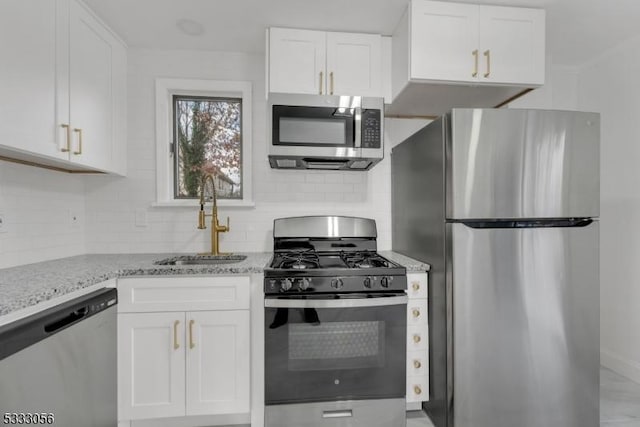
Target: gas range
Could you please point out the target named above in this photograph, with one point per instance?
(336, 255)
(335, 326)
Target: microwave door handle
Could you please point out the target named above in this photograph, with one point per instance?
(334, 303)
(358, 127)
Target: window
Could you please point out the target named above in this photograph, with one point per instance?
(203, 127)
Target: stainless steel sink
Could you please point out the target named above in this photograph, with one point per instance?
(201, 260)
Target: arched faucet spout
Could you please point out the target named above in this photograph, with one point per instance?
(216, 228)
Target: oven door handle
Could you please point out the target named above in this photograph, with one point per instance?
(335, 303)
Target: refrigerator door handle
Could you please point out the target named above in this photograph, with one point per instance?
(527, 223)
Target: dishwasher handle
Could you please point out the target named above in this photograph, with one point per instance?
(72, 317)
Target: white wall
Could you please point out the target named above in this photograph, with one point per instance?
(112, 203)
(38, 206)
(609, 85)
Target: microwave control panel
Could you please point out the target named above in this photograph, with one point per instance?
(371, 126)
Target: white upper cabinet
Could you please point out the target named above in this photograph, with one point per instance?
(71, 70)
(512, 44)
(27, 77)
(472, 43)
(447, 55)
(326, 63)
(443, 39)
(354, 64)
(297, 61)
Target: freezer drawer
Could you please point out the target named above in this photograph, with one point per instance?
(526, 326)
(509, 163)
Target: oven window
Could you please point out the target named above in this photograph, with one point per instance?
(298, 130)
(340, 345)
(324, 354)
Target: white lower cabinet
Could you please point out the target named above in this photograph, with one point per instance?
(417, 340)
(217, 362)
(183, 363)
(152, 369)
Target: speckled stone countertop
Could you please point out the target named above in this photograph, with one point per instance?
(412, 265)
(28, 285)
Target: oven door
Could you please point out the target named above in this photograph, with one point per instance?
(335, 347)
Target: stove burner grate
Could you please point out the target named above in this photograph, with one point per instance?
(301, 260)
(364, 259)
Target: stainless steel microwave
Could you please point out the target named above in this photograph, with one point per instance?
(325, 132)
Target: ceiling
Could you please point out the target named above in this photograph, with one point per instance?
(577, 30)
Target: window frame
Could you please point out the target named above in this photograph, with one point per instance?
(165, 91)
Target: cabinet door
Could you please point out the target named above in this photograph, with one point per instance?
(91, 92)
(151, 365)
(512, 43)
(218, 362)
(444, 41)
(354, 64)
(27, 76)
(297, 61)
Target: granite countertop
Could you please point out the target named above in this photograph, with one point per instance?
(27, 285)
(412, 265)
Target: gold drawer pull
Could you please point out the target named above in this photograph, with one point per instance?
(487, 53)
(321, 78)
(415, 286)
(416, 312)
(475, 63)
(416, 338)
(79, 132)
(417, 364)
(417, 389)
(68, 147)
(191, 343)
(331, 79)
(175, 335)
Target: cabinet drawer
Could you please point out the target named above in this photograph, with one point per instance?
(417, 312)
(183, 293)
(417, 285)
(417, 363)
(417, 337)
(418, 388)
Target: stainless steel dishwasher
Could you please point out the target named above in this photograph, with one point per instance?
(58, 366)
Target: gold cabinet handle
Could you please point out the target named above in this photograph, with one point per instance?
(416, 338)
(79, 132)
(475, 63)
(331, 80)
(417, 364)
(191, 343)
(415, 286)
(68, 147)
(321, 75)
(176, 345)
(417, 389)
(487, 54)
(416, 312)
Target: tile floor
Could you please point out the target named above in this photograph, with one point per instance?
(619, 403)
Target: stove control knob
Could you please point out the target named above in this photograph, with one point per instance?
(385, 282)
(336, 283)
(285, 284)
(368, 282)
(304, 284)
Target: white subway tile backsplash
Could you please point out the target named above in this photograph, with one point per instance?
(38, 204)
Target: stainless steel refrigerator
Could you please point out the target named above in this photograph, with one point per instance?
(504, 204)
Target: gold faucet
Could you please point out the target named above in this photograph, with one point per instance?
(216, 228)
